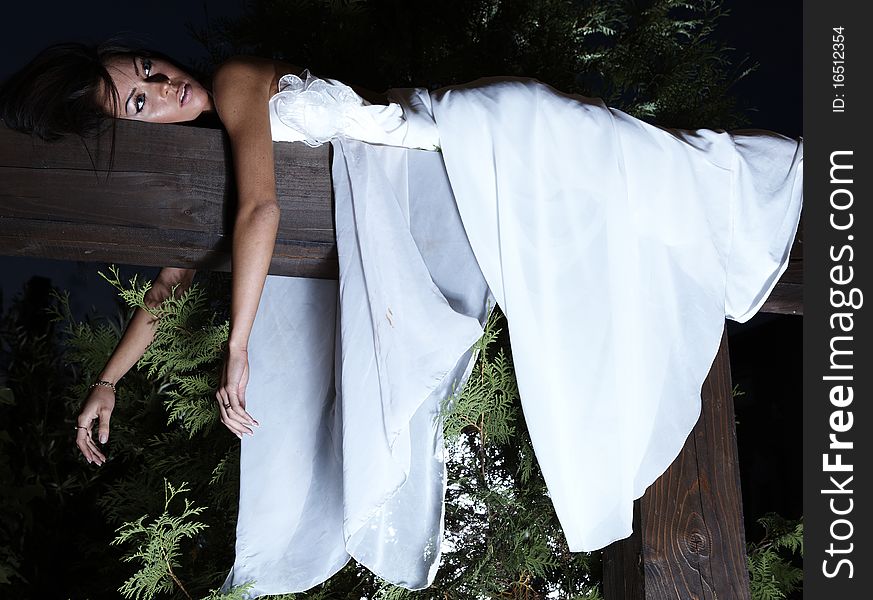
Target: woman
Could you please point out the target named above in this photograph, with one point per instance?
(72, 88)
(85, 85)
(614, 248)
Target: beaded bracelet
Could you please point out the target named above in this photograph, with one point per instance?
(103, 383)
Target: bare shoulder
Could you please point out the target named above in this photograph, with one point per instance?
(243, 82)
(243, 69)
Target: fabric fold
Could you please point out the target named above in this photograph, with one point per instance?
(362, 471)
(289, 528)
(767, 191)
(403, 349)
(611, 246)
(314, 111)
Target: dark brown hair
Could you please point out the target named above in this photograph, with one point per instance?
(61, 91)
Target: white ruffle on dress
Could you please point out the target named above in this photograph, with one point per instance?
(314, 111)
(615, 249)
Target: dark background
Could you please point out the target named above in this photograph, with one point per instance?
(766, 353)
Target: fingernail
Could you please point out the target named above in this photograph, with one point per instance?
(255, 423)
(89, 460)
(103, 438)
(239, 435)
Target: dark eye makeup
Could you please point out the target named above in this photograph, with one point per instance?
(139, 101)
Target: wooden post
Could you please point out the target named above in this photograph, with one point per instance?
(168, 201)
(690, 540)
(623, 576)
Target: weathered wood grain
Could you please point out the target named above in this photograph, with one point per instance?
(786, 299)
(168, 199)
(691, 539)
(177, 181)
(623, 576)
(151, 247)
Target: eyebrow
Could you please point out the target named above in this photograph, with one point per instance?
(133, 91)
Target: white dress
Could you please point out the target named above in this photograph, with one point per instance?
(615, 249)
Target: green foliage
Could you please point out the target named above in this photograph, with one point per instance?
(772, 574)
(42, 484)
(53, 543)
(503, 538)
(237, 593)
(656, 59)
(158, 551)
(486, 405)
(186, 350)
(9, 565)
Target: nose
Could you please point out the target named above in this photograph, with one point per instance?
(163, 84)
(171, 89)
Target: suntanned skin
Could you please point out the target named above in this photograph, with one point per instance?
(139, 334)
(242, 89)
(154, 90)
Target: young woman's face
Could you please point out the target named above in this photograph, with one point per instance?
(154, 90)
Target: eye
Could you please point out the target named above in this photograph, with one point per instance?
(146, 67)
(139, 101)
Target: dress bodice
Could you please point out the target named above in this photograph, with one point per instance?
(314, 111)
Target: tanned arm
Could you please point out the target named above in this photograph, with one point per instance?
(243, 87)
(139, 334)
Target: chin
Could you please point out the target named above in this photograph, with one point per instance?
(198, 102)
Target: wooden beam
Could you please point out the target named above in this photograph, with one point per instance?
(787, 296)
(167, 200)
(690, 539)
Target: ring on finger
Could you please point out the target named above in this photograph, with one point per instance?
(227, 405)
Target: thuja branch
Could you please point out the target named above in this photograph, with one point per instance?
(176, 579)
(159, 546)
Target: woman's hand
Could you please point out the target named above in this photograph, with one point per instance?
(98, 406)
(231, 395)
(242, 90)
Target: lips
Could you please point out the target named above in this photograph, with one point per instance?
(184, 94)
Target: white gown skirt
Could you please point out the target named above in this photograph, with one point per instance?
(616, 250)
(347, 380)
